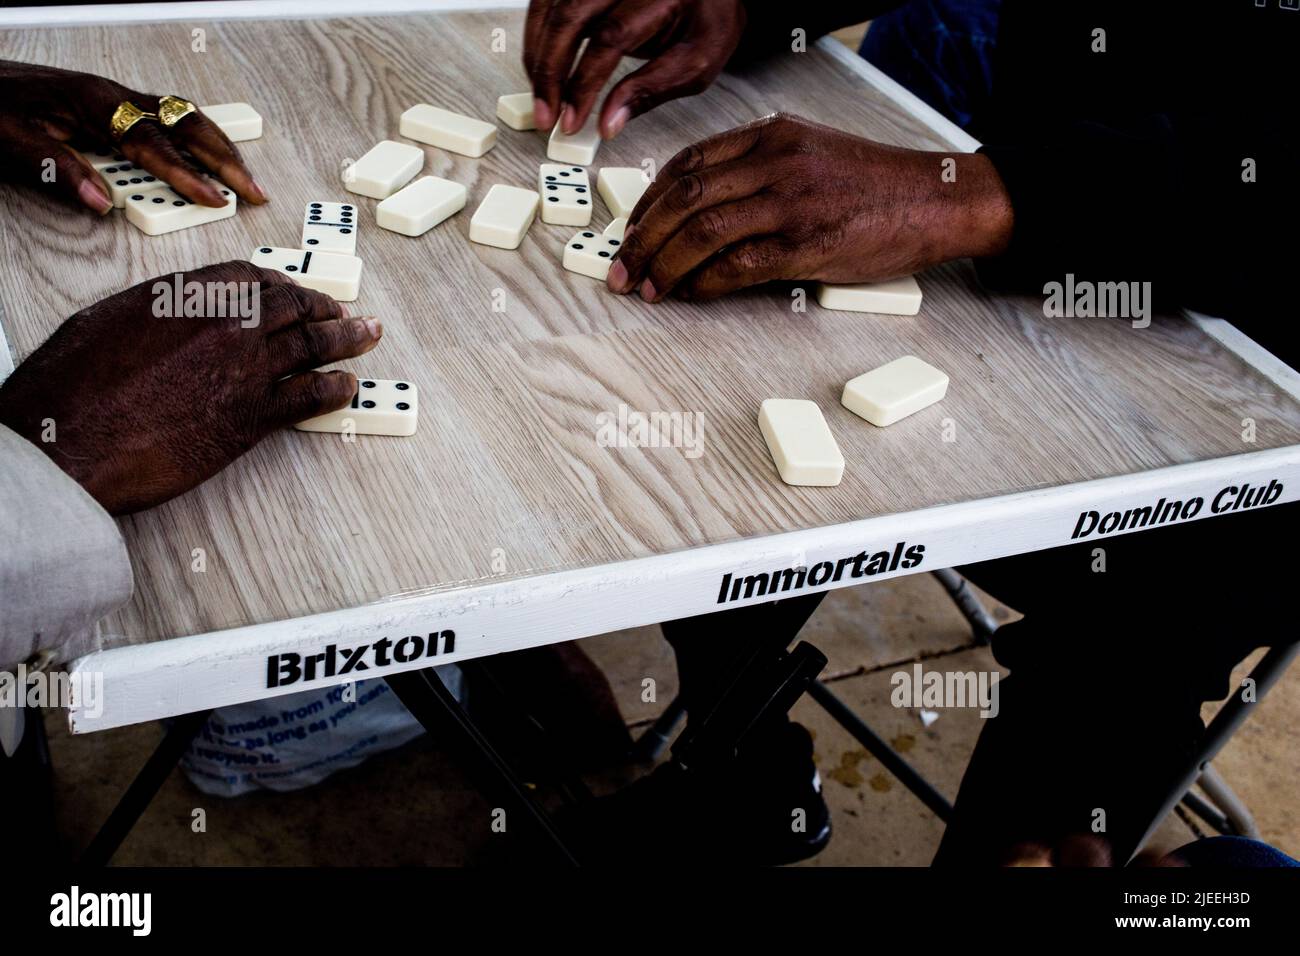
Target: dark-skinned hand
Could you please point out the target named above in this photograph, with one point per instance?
(145, 408)
(50, 114)
(686, 44)
(785, 198)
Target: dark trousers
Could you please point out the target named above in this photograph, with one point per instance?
(1108, 671)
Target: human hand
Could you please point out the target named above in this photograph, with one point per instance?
(784, 198)
(140, 408)
(687, 43)
(48, 114)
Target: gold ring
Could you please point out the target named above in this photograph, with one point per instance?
(173, 109)
(124, 117)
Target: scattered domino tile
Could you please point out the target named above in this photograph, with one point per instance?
(330, 227)
(590, 254)
(895, 297)
(415, 209)
(516, 110)
(895, 390)
(380, 407)
(386, 168)
(124, 179)
(161, 210)
(99, 161)
(503, 216)
(566, 194)
(800, 442)
(238, 121)
(447, 130)
(621, 188)
(335, 274)
(579, 149)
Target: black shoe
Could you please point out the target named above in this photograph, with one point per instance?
(764, 808)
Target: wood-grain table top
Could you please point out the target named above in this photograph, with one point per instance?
(506, 476)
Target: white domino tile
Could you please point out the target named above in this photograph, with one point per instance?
(566, 194)
(101, 160)
(578, 149)
(335, 274)
(417, 208)
(621, 187)
(516, 110)
(162, 210)
(590, 253)
(503, 216)
(447, 130)
(801, 443)
(380, 407)
(386, 168)
(330, 227)
(895, 390)
(238, 121)
(124, 179)
(895, 297)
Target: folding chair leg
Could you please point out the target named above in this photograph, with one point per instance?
(652, 743)
(1225, 800)
(981, 621)
(896, 765)
(1225, 723)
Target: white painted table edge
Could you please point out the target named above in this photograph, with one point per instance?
(164, 678)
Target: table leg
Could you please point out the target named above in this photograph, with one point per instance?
(143, 788)
(448, 723)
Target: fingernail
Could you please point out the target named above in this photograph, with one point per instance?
(93, 195)
(374, 327)
(257, 188)
(648, 290)
(627, 233)
(617, 277)
(617, 122)
(568, 117)
(542, 114)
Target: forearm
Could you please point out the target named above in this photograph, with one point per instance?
(1187, 203)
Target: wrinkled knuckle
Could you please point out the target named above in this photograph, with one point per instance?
(321, 390)
(707, 228)
(692, 157)
(613, 33)
(355, 335)
(746, 261)
(564, 14)
(688, 191)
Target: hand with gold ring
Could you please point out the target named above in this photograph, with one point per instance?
(48, 115)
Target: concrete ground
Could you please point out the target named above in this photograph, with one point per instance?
(414, 806)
